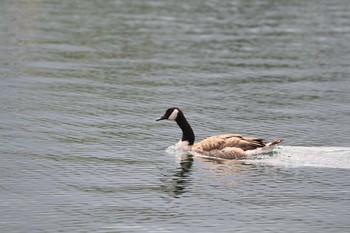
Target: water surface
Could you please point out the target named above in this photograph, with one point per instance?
(82, 83)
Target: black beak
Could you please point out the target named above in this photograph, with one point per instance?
(162, 118)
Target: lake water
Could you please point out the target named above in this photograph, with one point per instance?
(82, 83)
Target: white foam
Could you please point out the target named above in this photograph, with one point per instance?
(292, 156)
(261, 150)
(299, 156)
(178, 152)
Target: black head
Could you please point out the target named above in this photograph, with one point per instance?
(170, 114)
(175, 114)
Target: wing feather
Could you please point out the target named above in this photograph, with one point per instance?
(244, 143)
(211, 143)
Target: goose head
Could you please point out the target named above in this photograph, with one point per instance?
(175, 114)
(170, 114)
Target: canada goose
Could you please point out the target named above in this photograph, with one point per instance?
(225, 146)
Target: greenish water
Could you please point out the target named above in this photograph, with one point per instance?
(82, 83)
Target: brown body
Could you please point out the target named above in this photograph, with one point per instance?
(230, 146)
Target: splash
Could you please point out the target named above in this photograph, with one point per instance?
(292, 156)
(299, 156)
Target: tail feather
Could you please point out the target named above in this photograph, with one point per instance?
(278, 141)
(267, 148)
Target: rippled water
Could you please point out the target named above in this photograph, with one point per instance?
(82, 83)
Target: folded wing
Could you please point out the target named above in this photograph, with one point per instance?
(220, 142)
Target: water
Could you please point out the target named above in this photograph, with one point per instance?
(82, 83)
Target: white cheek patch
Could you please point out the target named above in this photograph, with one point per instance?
(173, 115)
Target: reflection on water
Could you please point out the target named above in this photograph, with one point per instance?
(176, 183)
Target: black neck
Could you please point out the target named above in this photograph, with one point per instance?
(187, 132)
